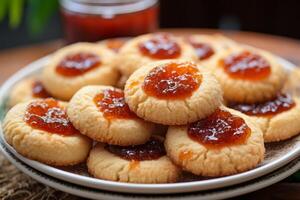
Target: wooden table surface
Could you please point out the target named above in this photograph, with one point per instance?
(14, 59)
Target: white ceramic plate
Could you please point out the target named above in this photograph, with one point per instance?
(277, 155)
(86, 192)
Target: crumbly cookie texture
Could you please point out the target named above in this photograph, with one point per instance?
(292, 84)
(130, 58)
(113, 46)
(204, 161)
(200, 104)
(21, 92)
(217, 42)
(63, 87)
(105, 165)
(50, 148)
(87, 117)
(281, 126)
(248, 91)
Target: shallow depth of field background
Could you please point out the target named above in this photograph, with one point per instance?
(276, 17)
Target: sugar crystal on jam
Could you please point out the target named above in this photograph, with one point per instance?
(160, 46)
(48, 116)
(77, 64)
(203, 50)
(172, 81)
(220, 129)
(112, 103)
(246, 66)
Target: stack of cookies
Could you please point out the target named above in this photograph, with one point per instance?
(142, 110)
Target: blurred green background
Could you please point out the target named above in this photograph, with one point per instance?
(31, 21)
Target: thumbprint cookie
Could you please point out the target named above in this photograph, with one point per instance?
(172, 92)
(278, 117)
(145, 163)
(207, 47)
(41, 130)
(226, 142)
(152, 47)
(101, 113)
(248, 75)
(78, 65)
(27, 89)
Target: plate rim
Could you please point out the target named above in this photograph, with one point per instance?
(33, 67)
(231, 191)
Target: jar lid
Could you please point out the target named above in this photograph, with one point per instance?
(106, 8)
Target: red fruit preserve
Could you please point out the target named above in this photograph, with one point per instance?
(173, 81)
(48, 115)
(89, 20)
(247, 66)
(220, 129)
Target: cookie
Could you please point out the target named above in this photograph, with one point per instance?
(145, 163)
(292, 84)
(40, 130)
(78, 65)
(278, 118)
(27, 89)
(151, 47)
(207, 47)
(172, 92)
(248, 75)
(114, 45)
(100, 112)
(227, 142)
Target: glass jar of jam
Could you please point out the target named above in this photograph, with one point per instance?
(93, 20)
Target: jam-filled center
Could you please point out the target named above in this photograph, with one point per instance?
(203, 50)
(111, 103)
(115, 44)
(48, 116)
(39, 91)
(160, 46)
(172, 81)
(281, 103)
(151, 150)
(246, 65)
(220, 129)
(77, 64)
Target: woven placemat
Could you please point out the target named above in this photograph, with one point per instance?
(15, 185)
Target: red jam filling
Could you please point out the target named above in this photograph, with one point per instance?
(247, 66)
(78, 64)
(203, 50)
(48, 116)
(115, 44)
(39, 91)
(172, 81)
(112, 104)
(220, 129)
(151, 150)
(281, 103)
(161, 46)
